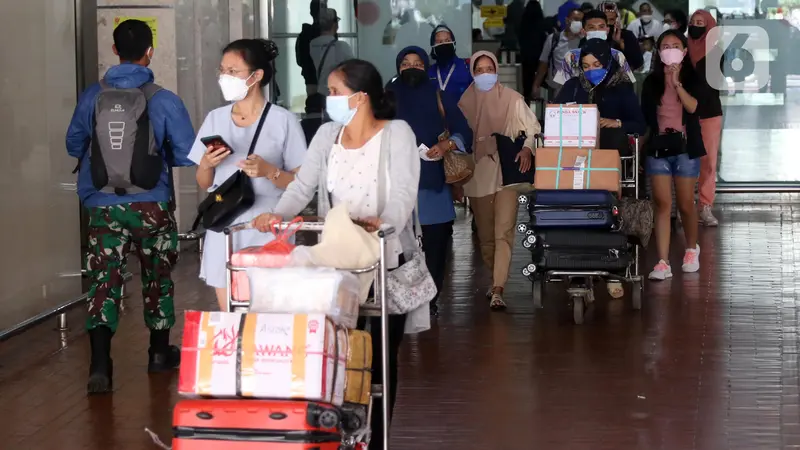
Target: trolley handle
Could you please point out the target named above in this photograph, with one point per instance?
(308, 224)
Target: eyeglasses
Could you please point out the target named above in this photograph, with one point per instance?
(609, 7)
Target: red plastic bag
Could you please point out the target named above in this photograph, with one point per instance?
(273, 254)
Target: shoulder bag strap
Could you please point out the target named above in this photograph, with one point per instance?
(556, 37)
(258, 129)
(324, 55)
(441, 108)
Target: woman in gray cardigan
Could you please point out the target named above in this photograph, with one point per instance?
(371, 164)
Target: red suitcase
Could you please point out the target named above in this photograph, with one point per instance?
(206, 424)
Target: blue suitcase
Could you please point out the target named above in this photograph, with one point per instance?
(572, 209)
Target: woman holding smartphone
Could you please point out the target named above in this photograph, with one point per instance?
(229, 131)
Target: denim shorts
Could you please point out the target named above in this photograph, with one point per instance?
(676, 166)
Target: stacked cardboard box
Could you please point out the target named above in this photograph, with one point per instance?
(570, 158)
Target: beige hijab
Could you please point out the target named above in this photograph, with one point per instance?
(487, 112)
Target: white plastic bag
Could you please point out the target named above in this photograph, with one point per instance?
(306, 290)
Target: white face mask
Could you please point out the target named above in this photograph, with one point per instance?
(575, 27)
(597, 34)
(233, 88)
(647, 18)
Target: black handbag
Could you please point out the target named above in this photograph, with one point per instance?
(507, 150)
(231, 198)
(665, 145)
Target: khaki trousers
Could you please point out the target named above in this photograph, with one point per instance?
(496, 220)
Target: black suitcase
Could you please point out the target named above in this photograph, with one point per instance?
(579, 250)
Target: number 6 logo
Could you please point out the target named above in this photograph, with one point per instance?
(737, 55)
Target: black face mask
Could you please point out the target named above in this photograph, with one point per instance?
(696, 32)
(413, 77)
(444, 52)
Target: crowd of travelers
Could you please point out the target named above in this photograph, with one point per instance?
(367, 153)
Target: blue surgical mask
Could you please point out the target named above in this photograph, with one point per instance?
(485, 81)
(597, 34)
(595, 76)
(338, 109)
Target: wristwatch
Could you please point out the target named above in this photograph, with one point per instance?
(275, 175)
(619, 123)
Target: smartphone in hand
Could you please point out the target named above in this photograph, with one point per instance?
(216, 142)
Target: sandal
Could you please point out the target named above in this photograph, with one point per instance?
(615, 289)
(497, 303)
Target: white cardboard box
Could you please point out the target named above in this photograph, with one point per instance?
(571, 125)
(279, 356)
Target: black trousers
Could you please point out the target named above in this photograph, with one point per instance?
(436, 245)
(528, 77)
(396, 331)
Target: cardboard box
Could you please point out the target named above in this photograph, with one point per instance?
(577, 168)
(279, 356)
(359, 367)
(571, 125)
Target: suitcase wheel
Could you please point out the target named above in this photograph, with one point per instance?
(522, 199)
(522, 228)
(529, 270)
(329, 419)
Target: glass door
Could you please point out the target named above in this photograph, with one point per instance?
(285, 20)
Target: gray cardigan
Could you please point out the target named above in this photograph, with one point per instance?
(399, 156)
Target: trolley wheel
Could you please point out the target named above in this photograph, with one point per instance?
(636, 295)
(578, 309)
(538, 292)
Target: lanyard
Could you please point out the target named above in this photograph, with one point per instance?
(443, 86)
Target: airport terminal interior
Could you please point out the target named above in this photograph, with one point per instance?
(710, 362)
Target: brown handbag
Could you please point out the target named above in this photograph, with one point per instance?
(458, 167)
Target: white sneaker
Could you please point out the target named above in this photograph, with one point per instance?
(691, 260)
(661, 272)
(706, 217)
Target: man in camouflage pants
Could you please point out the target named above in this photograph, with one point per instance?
(120, 220)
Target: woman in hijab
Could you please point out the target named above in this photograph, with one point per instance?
(493, 108)
(600, 80)
(418, 103)
(709, 112)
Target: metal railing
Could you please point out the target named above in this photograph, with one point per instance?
(61, 310)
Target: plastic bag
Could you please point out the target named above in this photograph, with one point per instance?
(276, 253)
(306, 290)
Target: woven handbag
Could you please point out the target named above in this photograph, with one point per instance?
(458, 167)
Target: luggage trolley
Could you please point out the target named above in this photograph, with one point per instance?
(581, 282)
(353, 438)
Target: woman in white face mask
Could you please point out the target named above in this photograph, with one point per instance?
(491, 108)
(370, 163)
(270, 158)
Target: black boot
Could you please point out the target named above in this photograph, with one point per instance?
(101, 370)
(163, 357)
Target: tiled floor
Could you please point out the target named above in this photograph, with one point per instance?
(710, 363)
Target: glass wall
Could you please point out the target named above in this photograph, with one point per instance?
(761, 99)
(285, 22)
(40, 263)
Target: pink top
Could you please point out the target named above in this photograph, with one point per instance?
(670, 112)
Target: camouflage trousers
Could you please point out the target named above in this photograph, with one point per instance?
(150, 228)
